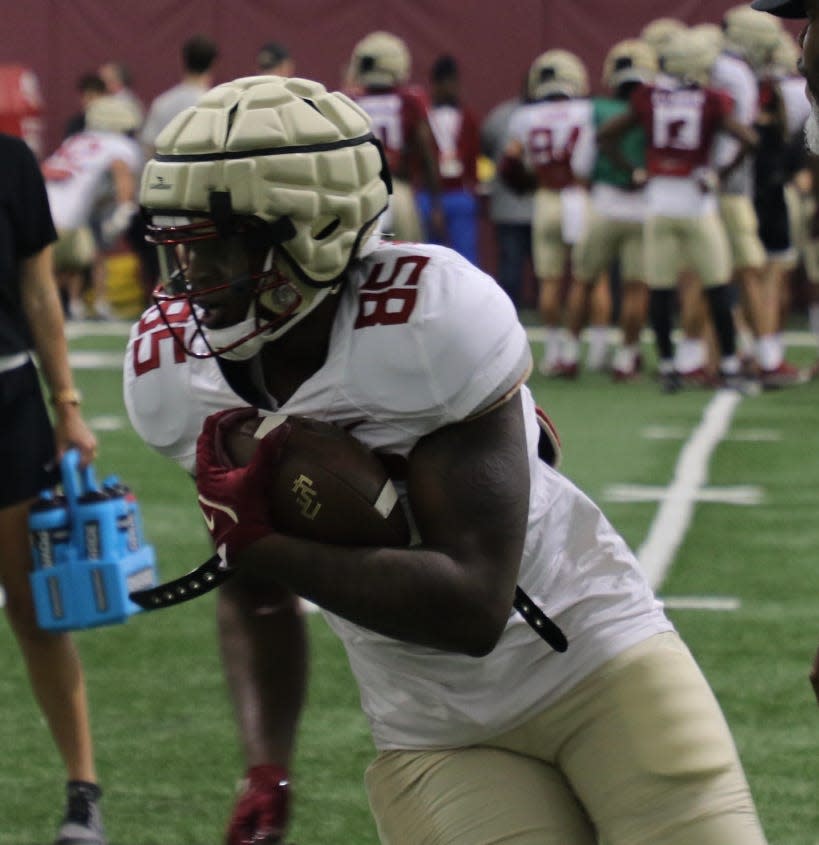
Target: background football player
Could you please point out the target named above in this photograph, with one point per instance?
(91, 179)
(551, 151)
(615, 230)
(284, 296)
(379, 72)
(683, 228)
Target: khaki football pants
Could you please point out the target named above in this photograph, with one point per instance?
(741, 226)
(637, 754)
(673, 244)
(75, 250)
(605, 241)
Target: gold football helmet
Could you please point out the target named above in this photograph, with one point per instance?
(557, 72)
(753, 34)
(684, 58)
(263, 193)
(380, 59)
(657, 32)
(632, 60)
(111, 114)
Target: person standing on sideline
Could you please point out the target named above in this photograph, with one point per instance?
(198, 56)
(274, 59)
(457, 138)
(510, 212)
(31, 318)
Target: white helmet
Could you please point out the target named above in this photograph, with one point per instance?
(753, 34)
(380, 59)
(657, 32)
(784, 57)
(631, 60)
(111, 114)
(684, 58)
(557, 72)
(274, 174)
(711, 37)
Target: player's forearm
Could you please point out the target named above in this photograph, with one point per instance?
(416, 595)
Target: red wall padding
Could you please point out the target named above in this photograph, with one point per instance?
(494, 40)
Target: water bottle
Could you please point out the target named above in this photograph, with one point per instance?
(50, 529)
(125, 508)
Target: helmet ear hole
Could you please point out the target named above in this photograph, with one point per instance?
(324, 226)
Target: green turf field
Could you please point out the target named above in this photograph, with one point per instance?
(166, 744)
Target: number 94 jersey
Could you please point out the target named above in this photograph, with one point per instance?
(558, 140)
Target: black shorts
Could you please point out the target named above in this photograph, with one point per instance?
(27, 455)
(774, 224)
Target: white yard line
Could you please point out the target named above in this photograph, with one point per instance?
(670, 524)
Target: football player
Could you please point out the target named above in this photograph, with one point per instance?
(379, 74)
(683, 227)
(93, 169)
(750, 39)
(277, 291)
(809, 66)
(615, 230)
(551, 151)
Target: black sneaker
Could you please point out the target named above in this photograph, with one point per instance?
(670, 381)
(82, 824)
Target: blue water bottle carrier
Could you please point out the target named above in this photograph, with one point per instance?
(89, 551)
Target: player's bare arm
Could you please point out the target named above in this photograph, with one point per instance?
(468, 492)
(748, 141)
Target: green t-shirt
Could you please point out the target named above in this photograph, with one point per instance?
(633, 144)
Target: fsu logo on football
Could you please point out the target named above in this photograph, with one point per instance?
(306, 497)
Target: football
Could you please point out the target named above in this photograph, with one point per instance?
(327, 486)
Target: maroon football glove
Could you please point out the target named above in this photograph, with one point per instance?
(261, 813)
(234, 501)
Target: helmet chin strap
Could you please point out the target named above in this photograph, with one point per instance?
(220, 338)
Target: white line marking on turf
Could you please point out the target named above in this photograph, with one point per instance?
(673, 517)
(106, 422)
(95, 360)
(739, 495)
(701, 603)
(669, 432)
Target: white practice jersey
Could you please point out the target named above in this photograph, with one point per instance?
(76, 174)
(423, 339)
(732, 74)
(796, 103)
(558, 139)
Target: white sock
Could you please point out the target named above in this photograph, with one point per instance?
(690, 354)
(569, 349)
(625, 359)
(769, 354)
(813, 318)
(551, 347)
(730, 365)
(598, 339)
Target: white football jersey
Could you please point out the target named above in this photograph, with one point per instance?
(76, 174)
(558, 138)
(732, 74)
(423, 339)
(796, 102)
